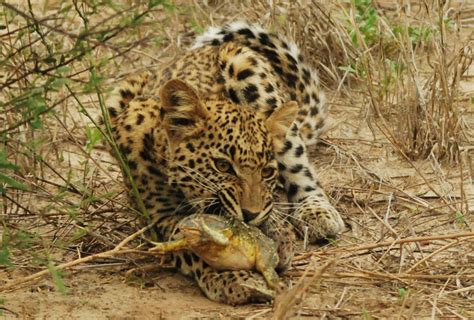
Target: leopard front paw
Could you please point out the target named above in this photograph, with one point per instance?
(318, 219)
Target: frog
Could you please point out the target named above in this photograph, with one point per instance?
(225, 243)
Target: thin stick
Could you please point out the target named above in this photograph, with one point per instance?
(466, 289)
(387, 244)
(382, 221)
(284, 303)
(407, 240)
(384, 276)
(449, 245)
(106, 254)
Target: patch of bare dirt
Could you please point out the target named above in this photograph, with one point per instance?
(95, 294)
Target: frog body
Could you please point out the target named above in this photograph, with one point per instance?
(225, 244)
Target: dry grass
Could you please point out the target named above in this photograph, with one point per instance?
(416, 85)
(397, 158)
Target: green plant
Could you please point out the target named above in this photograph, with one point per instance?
(5, 254)
(94, 136)
(52, 66)
(460, 218)
(365, 314)
(57, 278)
(7, 180)
(366, 19)
(402, 293)
(2, 302)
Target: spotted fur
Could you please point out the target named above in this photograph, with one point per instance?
(213, 130)
(262, 70)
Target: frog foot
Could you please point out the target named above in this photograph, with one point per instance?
(267, 293)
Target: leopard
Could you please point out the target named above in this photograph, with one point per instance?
(220, 129)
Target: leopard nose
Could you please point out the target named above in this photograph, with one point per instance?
(249, 215)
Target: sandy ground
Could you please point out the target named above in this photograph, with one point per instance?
(381, 196)
(94, 294)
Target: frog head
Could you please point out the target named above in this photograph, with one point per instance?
(201, 228)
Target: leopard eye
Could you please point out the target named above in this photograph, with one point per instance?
(223, 166)
(268, 172)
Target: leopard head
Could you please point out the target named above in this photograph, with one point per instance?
(221, 153)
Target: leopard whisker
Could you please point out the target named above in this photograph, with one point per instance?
(191, 204)
(208, 202)
(287, 216)
(203, 180)
(192, 183)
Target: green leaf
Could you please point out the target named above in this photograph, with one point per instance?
(402, 292)
(154, 3)
(56, 83)
(365, 314)
(197, 27)
(93, 137)
(63, 69)
(50, 60)
(8, 165)
(94, 81)
(167, 5)
(158, 41)
(7, 181)
(24, 239)
(36, 123)
(57, 278)
(35, 105)
(4, 163)
(65, 9)
(5, 257)
(2, 301)
(460, 217)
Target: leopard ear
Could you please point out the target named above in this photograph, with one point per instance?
(280, 121)
(184, 113)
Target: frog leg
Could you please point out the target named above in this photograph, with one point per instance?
(270, 293)
(270, 275)
(169, 246)
(265, 262)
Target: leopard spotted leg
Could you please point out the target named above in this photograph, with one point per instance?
(230, 287)
(313, 213)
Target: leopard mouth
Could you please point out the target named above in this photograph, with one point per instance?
(249, 216)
